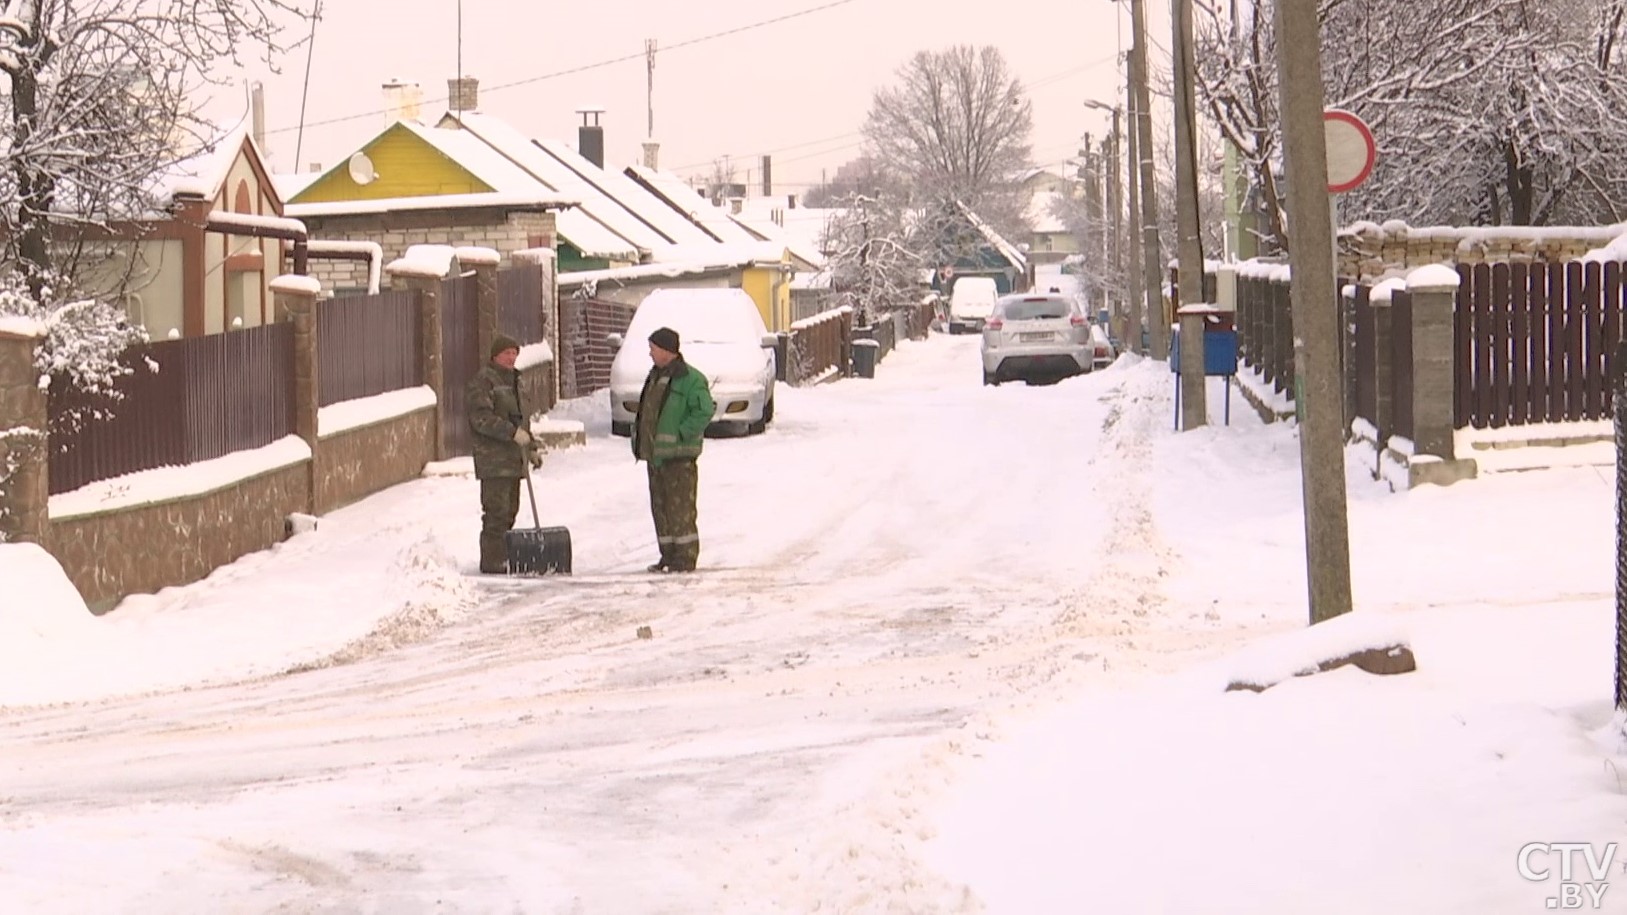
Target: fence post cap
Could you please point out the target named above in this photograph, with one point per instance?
(1433, 278)
(294, 284)
(476, 256)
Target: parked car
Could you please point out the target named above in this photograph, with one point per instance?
(1036, 338)
(722, 335)
(1103, 350)
(971, 301)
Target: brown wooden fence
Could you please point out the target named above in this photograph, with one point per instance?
(184, 401)
(1265, 325)
(821, 347)
(367, 345)
(1402, 367)
(1363, 364)
(1534, 342)
(460, 358)
(520, 307)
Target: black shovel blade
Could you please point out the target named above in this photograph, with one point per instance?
(539, 551)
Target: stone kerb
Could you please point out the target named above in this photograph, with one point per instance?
(24, 479)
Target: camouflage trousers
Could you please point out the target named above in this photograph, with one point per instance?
(672, 503)
(499, 506)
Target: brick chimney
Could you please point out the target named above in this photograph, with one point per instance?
(463, 94)
(652, 155)
(590, 136)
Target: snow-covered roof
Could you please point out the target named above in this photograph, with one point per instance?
(638, 272)
(1007, 250)
(289, 186)
(497, 139)
(810, 256)
(632, 196)
(538, 199)
(735, 254)
(686, 200)
(1041, 213)
(202, 172)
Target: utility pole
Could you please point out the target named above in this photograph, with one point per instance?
(649, 86)
(1135, 312)
(1194, 403)
(1157, 323)
(1316, 323)
(1115, 204)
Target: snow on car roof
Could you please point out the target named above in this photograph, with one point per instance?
(700, 316)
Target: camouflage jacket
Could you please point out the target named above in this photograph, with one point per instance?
(493, 402)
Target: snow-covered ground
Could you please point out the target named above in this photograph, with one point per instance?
(957, 649)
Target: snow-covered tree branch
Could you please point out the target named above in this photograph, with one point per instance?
(874, 261)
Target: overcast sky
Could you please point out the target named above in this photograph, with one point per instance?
(798, 89)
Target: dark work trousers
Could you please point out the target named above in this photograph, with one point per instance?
(499, 506)
(672, 503)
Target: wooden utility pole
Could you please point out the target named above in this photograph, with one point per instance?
(1189, 244)
(1316, 322)
(1152, 257)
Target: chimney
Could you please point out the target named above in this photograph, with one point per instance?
(316, 168)
(768, 176)
(590, 136)
(402, 101)
(463, 94)
(257, 113)
(790, 201)
(652, 154)
(736, 204)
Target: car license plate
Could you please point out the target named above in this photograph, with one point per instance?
(1034, 338)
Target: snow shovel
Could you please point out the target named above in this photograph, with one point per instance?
(539, 550)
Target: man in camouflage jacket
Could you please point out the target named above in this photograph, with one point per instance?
(503, 448)
(674, 410)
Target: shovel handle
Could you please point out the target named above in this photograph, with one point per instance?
(530, 491)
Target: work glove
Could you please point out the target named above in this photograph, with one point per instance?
(522, 437)
(534, 455)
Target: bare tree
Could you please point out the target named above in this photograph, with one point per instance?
(862, 175)
(955, 127)
(103, 95)
(874, 260)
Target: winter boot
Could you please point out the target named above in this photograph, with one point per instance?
(493, 554)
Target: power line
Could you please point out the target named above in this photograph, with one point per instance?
(640, 55)
(1042, 81)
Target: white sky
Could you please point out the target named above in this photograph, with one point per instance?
(798, 89)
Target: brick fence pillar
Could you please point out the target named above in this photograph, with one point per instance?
(295, 299)
(1383, 368)
(1434, 380)
(24, 477)
(426, 286)
(549, 303)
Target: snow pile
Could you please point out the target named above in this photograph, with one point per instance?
(365, 411)
(533, 355)
(22, 326)
(295, 284)
(475, 256)
(42, 605)
(430, 594)
(162, 484)
(433, 261)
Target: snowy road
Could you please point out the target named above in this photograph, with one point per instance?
(897, 568)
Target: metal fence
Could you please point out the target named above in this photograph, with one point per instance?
(367, 345)
(460, 358)
(184, 401)
(520, 307)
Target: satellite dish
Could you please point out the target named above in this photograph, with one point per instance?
(361, 169)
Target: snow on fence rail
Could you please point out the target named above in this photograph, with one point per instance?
(821, 347)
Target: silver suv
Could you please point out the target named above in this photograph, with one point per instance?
(1036, 338)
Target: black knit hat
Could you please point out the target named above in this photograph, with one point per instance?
(666, 338)
(502, 342)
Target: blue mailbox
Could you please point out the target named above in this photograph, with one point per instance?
(1219, 358)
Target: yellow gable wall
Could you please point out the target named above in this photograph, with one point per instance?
(406, 166)
(767, 287)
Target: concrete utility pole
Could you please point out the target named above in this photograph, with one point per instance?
(1316, 323)
(649, 87)
(1135, 308)
(1157, 324)
(1194, 403)
(1115, 205)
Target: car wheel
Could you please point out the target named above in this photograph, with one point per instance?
(768, 411)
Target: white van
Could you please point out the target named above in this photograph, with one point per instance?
(971, 302)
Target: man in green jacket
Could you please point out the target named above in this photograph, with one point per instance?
(502, 448)
(673, 411)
